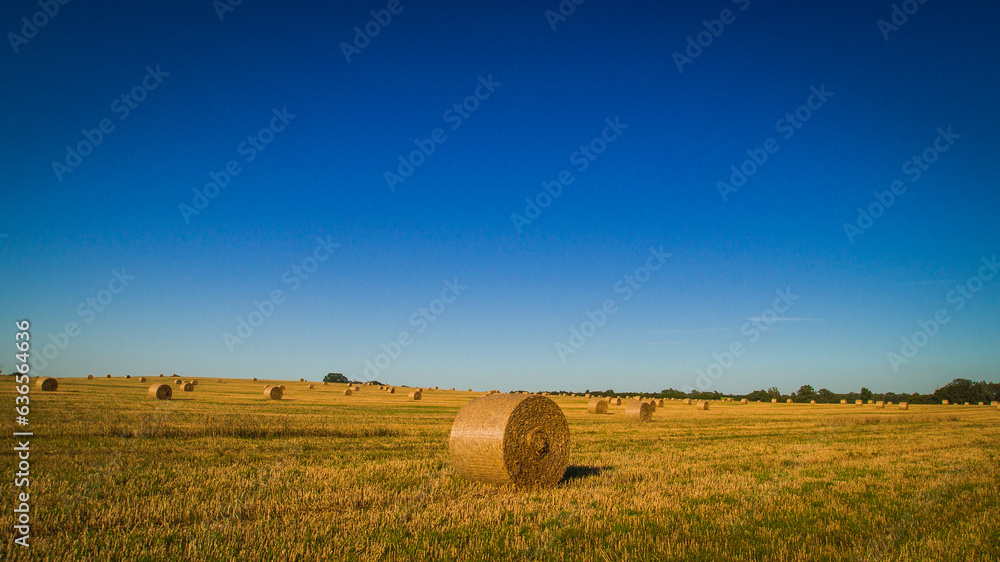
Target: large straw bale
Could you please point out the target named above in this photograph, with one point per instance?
(273, 392)
(416, 395)
(597, 406)
(511, 439)
(702, 405)
(638, 411)
(47, 384)
(160, 391)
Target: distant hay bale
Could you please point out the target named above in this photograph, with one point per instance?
(254, 379)
(904, 406)
(187, 387)
(774, 401)
(47, 384)
(981, 404)
(128, 376)
(107, 376)
(615, 401)
(859, 402)
(142, 379)
(788, 401)
(282, 387)
(638, 411)
(470, 390)
(812, 401)
(160, 391)
(381, 387)
(273, 392)
(348, 392)
(194, 383)
(702, 405)
(357, 388)
(994, 403)
(161, 374)
(844, 401)
(519, 439)
(416, 395)
(324, 383)
(745, 401)
(178, 381)
(652, 405)
(687, 402)
(659, 403)
(880, 404)
(90, 377)
(175, 375)
(597, 406)
(302, 380)
(220, 380)
(435, 388)
(966, 403)
(945, 402)
(871, 401)
(311, 387)
(391, 390)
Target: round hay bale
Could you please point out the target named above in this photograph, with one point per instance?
(615, 401)
(812, 401)
(282, 387)
(194, 383)
(415, 395)
(844, 401)
(774, 401)
(356, 388)
(597, 406)
(128, 376)
(391, 390)
(90, 377)
(871, 401)
(702, 405)
(788, 401)
(859, 402)
(904, 406)
(107, 376)
(254, 379)
(324, 383)
(142, 379)
(586, 396)
(175, 375)
(638, 411)
(687, 402)
(311, 387)
(187, 387)
(510, 439)
(273, 392)
(178, 381)
(220, 380)
(994, 403)
(302, 380)
(966, 403)
(652, 405)
(47, 384)
(880, 404)
(945, 402)
(745, 401)
(348, 392)
(160, 391)
(161, 374)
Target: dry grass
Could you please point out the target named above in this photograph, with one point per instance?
(225, 475)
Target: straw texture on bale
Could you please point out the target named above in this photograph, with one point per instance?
(254, 379)
(994, 403)
(597, 406)
(161, 391)
(178, 381)
(357, 388)
(510, 439)
(187, 387)
(945, 402)
(812, 401)
(302, 380)
(615, 401)
(703, 405)
(638, 411)
(774, 401)
(745, 401)
(788, 401)
(880, 404)
(391, 390)
(652, 405)
(416, 395)
(282, 387)
(904, 406)
(90, 377)
(687, 401)
(586, 396)
(273, 392)
(871, 401)
(311, 387)
(161, 374)
(107, 376)
(142, 379)
(659, 403)
(194, 383)
(844, 401)
(47, 384)
(348, 392)
(859, 402)
(128, 376)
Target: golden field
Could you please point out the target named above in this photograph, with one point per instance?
(221, 473)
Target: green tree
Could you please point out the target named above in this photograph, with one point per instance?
(825, 395)
(773, 392)
(805, 393)
(335, 377)
(866, 394)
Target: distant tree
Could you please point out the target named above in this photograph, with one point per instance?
(805, 393)
(335, 377)
(759, 395)
(866, 394)
(824, 395)
(773, 392)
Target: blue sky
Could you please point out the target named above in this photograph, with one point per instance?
(518, 289)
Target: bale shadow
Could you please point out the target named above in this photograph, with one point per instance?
(574, 472)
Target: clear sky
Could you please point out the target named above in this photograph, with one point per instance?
(378, 212)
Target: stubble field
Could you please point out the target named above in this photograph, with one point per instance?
(223, 474)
